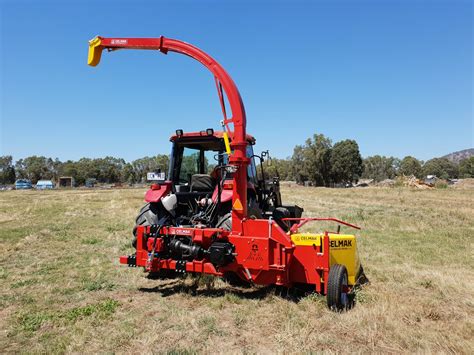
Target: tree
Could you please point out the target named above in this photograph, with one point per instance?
(35, 168)
(128, 175)
(380, 167)
(441, 167)
(277, 167)
(297, 165)
(312, 161)
(346, 162)
(7, 171)
(410, 166)
(148, 164)
(466, 168)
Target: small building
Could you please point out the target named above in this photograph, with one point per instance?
(66, 181)
(23, 184)
(44, 185)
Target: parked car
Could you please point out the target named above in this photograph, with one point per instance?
(23, 184)
(91, 182)
(44, 185)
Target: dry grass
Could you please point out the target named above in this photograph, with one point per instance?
(62, 289)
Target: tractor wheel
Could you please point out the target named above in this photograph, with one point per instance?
(225, 222)
(338, 298)
(148, 215)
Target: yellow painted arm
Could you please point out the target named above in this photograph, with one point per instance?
(95, 51)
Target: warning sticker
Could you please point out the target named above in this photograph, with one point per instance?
(237, 205)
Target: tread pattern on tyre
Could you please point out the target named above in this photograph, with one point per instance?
(147, 216)
(335, 280)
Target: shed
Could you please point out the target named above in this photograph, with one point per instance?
(66, 181)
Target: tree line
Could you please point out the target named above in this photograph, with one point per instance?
(317, 161)
(324, 164)
(102, 170)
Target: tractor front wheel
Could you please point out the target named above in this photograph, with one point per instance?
(338, 297)
(148, 215)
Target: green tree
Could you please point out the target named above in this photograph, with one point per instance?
(312, 161)
(410, 166)
(35, 168)
(379, 167)
(466, 168)
(128, 175)
(148, 164)
(7, 171)
(346, 162)
(297, 165)
(441, 167)
(277, 167)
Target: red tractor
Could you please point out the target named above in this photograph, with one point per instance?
(213, 213)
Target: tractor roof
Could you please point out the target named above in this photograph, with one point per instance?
(203, 135)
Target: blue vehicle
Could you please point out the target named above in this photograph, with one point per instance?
(23, 184)
(44, 185)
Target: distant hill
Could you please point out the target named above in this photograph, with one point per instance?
(456, 157)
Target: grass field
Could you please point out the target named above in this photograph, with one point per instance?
(63, 290)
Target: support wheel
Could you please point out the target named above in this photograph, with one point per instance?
(338, 298)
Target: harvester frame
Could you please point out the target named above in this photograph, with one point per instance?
(265, 251)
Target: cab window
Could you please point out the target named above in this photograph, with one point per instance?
(251, 168)
(189, 164)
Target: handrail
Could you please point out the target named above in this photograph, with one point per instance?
(303, 221)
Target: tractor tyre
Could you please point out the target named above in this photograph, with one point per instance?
(338, 298)
(225, 222)
(148, 215)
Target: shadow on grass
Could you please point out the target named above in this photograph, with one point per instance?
(178, 286)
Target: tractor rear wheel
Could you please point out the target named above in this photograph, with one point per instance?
(337, 297)
(148, 215)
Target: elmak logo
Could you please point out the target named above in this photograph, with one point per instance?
(119, 41)
(341, 243)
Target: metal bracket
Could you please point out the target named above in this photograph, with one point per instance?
(181, 266)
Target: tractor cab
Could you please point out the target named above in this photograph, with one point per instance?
(201, 179)
(198, 161)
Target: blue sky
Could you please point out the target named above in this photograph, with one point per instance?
(396, 76)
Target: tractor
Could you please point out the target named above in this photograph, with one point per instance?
(214, 212)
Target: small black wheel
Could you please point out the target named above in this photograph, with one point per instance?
(338, 298)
